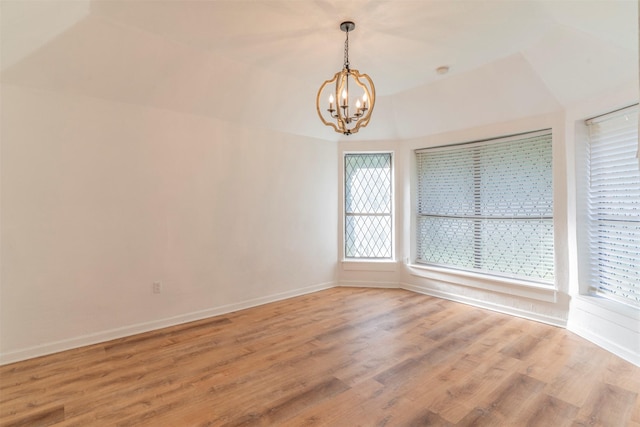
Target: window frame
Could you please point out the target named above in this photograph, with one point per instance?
(588, 286)
(343, 205)
(533, 288)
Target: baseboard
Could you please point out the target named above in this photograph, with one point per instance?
(368, 284)
(550, 320)
(96, 338)
(607, 324)
(606, 344)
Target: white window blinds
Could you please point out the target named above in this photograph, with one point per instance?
(614, 206)
(488, 206)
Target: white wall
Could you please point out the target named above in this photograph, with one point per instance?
(100, 199)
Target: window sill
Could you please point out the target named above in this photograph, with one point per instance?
(504, 285)
(369, 264)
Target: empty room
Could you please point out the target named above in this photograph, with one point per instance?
(329, 213)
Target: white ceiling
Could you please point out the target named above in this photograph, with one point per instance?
(261, 62)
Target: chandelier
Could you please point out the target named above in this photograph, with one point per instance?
(350, 96)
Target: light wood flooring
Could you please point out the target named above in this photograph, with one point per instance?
(340, 357)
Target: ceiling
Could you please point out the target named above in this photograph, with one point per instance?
(260, 62)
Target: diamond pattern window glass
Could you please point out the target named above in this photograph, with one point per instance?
(614, 206)
(487, 206)
(368, 205)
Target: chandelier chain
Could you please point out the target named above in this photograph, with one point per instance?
(346, 52)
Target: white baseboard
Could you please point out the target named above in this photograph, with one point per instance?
(607, 324)
(95, 338)
(538, 317)
(368, 284)
(606, 344)
(484, 282)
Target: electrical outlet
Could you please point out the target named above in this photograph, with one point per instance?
(156, 287)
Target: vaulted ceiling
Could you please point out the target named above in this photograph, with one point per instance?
(259, 63)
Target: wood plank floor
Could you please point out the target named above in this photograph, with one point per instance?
(340, 357)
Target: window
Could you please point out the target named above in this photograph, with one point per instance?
(614, 206)
(368, 206)
(487, 207)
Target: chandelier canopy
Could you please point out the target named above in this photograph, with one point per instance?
(350, 96)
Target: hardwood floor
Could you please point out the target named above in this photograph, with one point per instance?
(340, 357)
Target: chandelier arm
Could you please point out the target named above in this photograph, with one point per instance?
(343, 112)
(370, 90)
(325, 122)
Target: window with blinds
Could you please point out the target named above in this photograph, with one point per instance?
(368, 206)
(614, 206)
(487, 207)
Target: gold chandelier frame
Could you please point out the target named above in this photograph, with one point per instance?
(343, 114)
